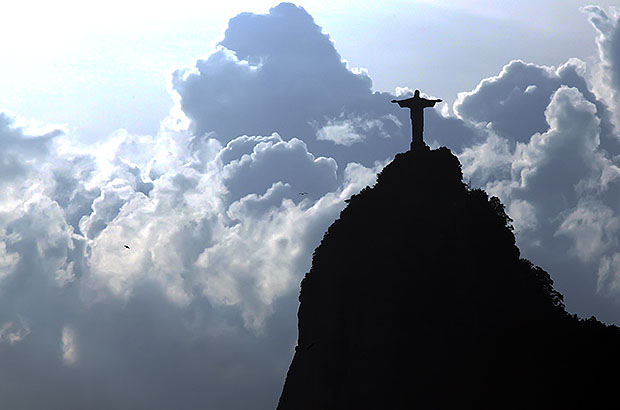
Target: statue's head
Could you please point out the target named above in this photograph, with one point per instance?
(416, 94)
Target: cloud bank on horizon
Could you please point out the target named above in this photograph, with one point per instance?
(200, 310)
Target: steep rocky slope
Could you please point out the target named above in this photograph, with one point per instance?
(418, 298)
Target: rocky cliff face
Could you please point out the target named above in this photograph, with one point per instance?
(418, 298)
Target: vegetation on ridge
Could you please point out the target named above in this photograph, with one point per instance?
(418, 298)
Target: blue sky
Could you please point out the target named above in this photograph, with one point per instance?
(187, 133)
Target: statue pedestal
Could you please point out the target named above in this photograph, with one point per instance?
(419, 145)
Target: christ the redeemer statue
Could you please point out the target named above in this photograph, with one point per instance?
(417, 104)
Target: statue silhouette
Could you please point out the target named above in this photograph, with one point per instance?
(416, 104)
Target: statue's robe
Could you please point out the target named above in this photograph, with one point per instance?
(417, 105)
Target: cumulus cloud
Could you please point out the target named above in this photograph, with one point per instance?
(69, 348)
(351, 130)
(607, 26)
(557, 176)
(12, 333)
(592, 227)
(19, 151)
(342, 132)
(220, 217)
(218, 236)
(8, 260)
(260, 81)
(275, 160)
(513, 103)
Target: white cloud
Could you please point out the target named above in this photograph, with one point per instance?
(348, 131)
(257, 83)
(12, 333)
(221, 218)
(403, 91)
(559, 185)
(342, 133)
(513, 103)
(68, 345)
(607, 77)
(8, 260)
(19, 152)
(592, 227)
(275, 160)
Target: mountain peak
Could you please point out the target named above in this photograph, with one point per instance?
(418, 298)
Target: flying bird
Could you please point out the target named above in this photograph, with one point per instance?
(303, 193)
(127, 246)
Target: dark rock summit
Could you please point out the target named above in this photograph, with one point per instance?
(418, 299)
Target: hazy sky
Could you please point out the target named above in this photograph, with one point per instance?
(187, 131)
(99, 68)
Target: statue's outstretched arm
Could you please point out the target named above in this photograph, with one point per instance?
(401, 102)
(431, 103)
